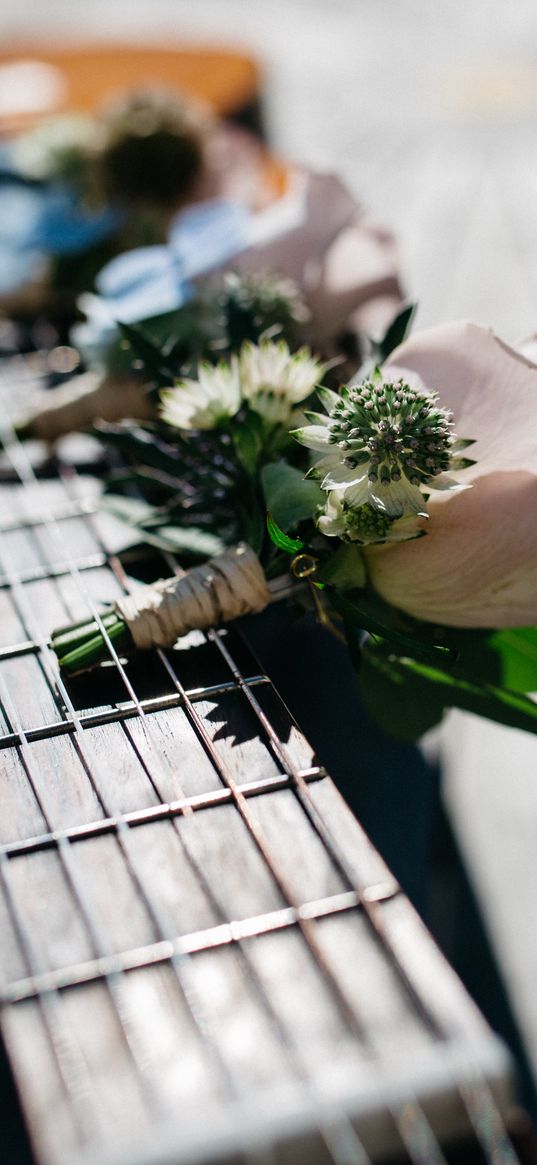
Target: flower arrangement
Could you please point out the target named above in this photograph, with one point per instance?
(423, 559)
(64, 229)
(224, 311)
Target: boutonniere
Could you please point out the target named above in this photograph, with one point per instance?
(370, 512)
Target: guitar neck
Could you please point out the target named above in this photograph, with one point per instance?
(203, 959)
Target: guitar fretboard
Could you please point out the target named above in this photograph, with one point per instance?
(203, 959)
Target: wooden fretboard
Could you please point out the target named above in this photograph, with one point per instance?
(202, 958)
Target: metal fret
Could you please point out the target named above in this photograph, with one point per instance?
(164, 950)
(73, 509)
(54, 570)
(124, 710)
(162, 812)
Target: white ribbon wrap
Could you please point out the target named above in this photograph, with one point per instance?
(229, 585)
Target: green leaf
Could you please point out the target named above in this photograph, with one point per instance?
(345, 569)
(255, 306)
(496, 703)
(145, 481)
(189, 540)
(127, 509)
(517, 652)
(154, 528)
(357, 615)
(507, 657)
(250, 517)
(408, 697)
(146, 447)
(404, 705)
(288, 496)
(396, 332)
(247, 439)
(281, 540)
(148, 351)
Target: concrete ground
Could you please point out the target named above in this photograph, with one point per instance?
(429, 110)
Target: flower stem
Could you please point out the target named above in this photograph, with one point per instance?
(84, 645)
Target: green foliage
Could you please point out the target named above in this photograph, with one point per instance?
(247, 436)
(156, 529)
(515, 653)
(506, 658)
(395, 333)
(411, 672)
(187, 541)
(281, 540)
(408, 696)
(134, 511)
(402, 704)
(175, 464)
(83, 645)
(344, 569)
(146, 350)
(289, 498)
(253, 307)
(213, 324)
(361, 613)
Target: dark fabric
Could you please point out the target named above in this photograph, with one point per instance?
(14, 1144)
(388, 785)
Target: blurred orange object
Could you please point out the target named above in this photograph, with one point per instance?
(37, 80)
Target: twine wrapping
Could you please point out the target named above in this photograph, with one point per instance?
(229, 585)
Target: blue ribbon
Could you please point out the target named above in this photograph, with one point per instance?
(149, 281)
(37, 220)
(65, 227)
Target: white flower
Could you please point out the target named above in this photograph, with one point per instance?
(48, 149)
(364, 524)
(385, 445)
(274, 381)
(204, 403)
(477, 567)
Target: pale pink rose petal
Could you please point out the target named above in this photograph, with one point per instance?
(491, 389)
(528, 347)
(477, 565)
(359, 268)
(343, 263)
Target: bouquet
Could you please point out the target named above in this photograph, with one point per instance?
(61, 228)
(139, 360)
(361, 503)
